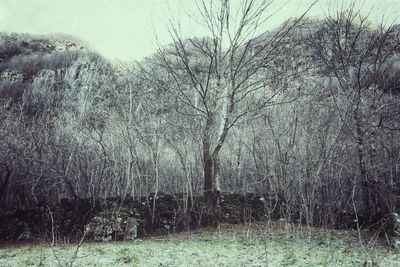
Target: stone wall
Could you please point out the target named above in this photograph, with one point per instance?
(122, 219)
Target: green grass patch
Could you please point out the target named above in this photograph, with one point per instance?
(249, 245)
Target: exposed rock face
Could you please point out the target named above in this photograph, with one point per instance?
(238, 208)
(117, 227)
(12, 76)
(163, 213)
(391, 228)
(130, 231)
(25, 232)
(53, 72)
(23, 225)
(44, 79)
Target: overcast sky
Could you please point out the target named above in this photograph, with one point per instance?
(126, 29)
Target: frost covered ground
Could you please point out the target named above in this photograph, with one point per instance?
(250, 245)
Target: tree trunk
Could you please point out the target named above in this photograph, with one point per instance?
(371, 204)
(4, 185)
(211, 193)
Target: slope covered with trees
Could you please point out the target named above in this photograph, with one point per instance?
(307, 114)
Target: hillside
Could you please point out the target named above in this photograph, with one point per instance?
(53, 72)
(307, 114)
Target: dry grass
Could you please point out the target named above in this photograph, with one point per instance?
(259, 244)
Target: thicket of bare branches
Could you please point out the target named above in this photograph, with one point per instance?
(307, 114)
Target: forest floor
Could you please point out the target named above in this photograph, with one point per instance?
(276, 244)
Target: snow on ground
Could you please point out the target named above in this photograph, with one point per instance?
(249, 245)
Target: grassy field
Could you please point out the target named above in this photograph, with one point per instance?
(249, 245)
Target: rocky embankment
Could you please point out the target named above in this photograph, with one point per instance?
(118, 219)
(157, 214)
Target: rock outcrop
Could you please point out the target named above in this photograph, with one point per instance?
(127, 219)
(391, 229)
(117, 227)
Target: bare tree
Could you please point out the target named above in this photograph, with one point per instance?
(219, 79)
(358, 63)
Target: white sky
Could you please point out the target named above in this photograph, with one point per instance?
(126, 29)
